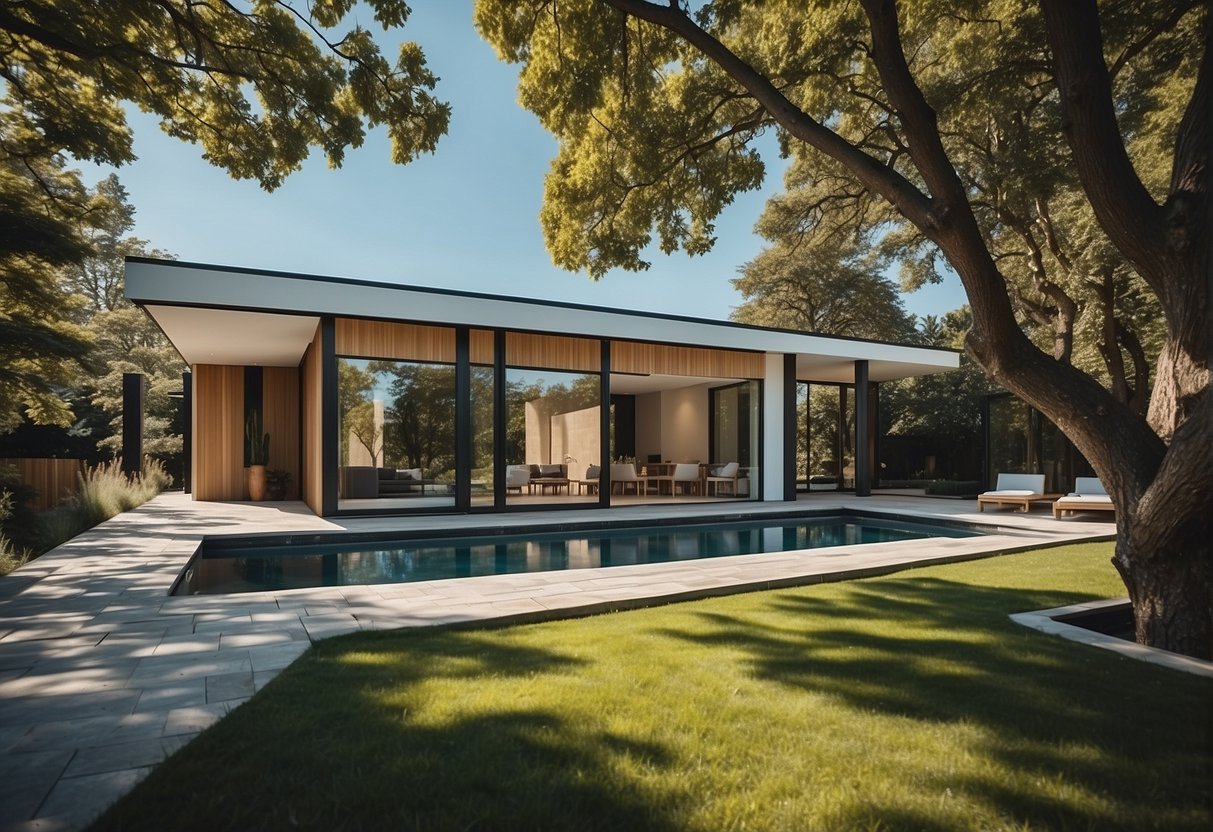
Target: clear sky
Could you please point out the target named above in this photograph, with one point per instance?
(466, 217)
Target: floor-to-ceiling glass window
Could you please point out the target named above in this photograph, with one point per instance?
(735, 431)
(827, 443)
(482, 409)
(395, 416)
(553, 419)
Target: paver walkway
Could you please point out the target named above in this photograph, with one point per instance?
(103, 675)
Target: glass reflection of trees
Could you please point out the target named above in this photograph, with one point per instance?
(413, 425)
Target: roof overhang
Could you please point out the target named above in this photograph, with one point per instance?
(220, 315)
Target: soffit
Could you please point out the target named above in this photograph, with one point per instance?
(225, 336)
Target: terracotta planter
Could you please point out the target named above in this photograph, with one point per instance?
(255, 477)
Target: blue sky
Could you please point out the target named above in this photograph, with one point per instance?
(463, 218)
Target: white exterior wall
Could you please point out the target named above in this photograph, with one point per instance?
(774, 456)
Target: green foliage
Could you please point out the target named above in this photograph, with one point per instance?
(954, 488)
(256, 443)
(105, 491)
(277, 481)
(656, 138)
(10, 556)
(830, 285)
(904, 702)
(257, 85)
(42, 207)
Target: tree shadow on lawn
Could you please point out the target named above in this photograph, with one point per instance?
(933, 651)
(349, 740)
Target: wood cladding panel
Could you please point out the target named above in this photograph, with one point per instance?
(311, 388)
(53, 480)
(480, 346)
(664, 359)
(556, 352)
(404, 342)
(218, 454)
(280, 397)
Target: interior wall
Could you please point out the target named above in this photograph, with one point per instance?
(575, 435)
(648, 425)
(218, 451)
(280, 406)
(311, 387)
(684, 424)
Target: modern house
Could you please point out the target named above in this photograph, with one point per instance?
(387, 398)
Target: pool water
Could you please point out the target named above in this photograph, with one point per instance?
(250, 569)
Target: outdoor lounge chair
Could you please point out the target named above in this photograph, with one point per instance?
(1015, 490)
(1088, 495)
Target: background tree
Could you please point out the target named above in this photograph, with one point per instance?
(421, 417)
(655, 110)
(256, 84)
(824, 284)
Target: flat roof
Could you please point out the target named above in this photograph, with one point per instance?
(224, 315)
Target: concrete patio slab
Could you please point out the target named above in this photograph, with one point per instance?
(103, 674)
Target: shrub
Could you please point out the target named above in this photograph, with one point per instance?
(10, 556)
(954, 488)
(105, 492)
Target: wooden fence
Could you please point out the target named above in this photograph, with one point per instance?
(53, 479)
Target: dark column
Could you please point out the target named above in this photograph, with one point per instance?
(874, 432)
(499, 420)
(187, 431)
(463, 420)
(863, 417)
(132, 423)
(789, 427)
(330, 445)
(840, 440)
(604, 454)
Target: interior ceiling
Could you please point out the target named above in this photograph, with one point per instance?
(222, 336)
(629, 384)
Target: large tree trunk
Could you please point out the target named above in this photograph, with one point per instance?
(1163, 494)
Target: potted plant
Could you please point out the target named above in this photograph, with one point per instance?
(277, 481)
(257, 453)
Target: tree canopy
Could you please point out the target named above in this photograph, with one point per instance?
(656, 108)
(256, 84)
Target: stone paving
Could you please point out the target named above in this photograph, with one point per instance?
(103, 674)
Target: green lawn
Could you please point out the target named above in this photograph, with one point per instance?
(903, 702)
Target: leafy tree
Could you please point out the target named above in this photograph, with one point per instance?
(655, 110)
(828, 286)
(256, 84)
(41, 206)
(354, 386)
(421, 419)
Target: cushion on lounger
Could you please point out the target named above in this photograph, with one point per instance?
(593, 472)
(414, 473)
(387, 473)
(551, 471)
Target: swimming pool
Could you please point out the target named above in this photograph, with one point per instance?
(241, 566)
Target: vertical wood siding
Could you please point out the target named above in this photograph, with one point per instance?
(218, 454)
(53, 479)
(634, 357)
(280, 394)
(311, 479)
